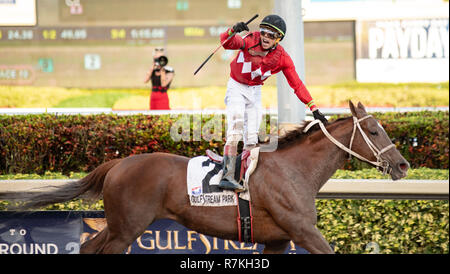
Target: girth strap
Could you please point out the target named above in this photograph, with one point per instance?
(245, 221)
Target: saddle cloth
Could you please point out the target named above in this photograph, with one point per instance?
(205, 172)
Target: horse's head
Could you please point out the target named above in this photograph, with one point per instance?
(372, 142)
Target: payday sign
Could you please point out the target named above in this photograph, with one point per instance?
(402, 50)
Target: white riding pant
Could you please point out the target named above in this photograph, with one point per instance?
(244, 113)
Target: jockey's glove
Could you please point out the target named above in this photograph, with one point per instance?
(239, 27)
(319, 116)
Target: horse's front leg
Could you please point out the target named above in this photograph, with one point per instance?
(298, 218)
(299, 224)
(276, 247)
(311, 239)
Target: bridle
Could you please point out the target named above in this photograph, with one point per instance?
(380, 163)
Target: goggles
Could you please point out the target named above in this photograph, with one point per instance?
(269, 33)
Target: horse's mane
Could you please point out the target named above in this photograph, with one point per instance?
(297, 134)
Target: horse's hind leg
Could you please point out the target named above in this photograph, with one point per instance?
(115, 244)
(125, 222)
(121, 233)
(131, 203)
(94, 245)
(109, 243)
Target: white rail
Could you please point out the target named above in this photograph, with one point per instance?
(89, 111)
(333, 189)
(385, 189)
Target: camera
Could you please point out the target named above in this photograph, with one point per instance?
(161, 61)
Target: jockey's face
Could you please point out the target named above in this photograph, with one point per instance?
(269, 38)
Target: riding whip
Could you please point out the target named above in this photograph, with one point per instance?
(209, 57)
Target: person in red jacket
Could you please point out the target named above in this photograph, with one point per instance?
(161, 77)
(259, 57)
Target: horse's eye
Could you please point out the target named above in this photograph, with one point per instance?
(374, 133)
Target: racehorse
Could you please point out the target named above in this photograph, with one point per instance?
(140, 189)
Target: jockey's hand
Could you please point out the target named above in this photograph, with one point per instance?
(319, 116)
(241, 26)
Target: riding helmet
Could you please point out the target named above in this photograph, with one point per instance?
(276, 22)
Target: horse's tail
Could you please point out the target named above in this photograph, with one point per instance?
(91, 186)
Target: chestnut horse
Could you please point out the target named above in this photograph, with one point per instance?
(143, 188)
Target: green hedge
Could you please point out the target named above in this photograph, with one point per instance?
(395, 226)
(39, 143)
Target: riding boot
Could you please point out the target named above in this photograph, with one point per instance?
(229, 168)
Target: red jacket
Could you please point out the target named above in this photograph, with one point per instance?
(250, 68)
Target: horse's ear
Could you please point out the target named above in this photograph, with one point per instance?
(361, 106)
(352, 108)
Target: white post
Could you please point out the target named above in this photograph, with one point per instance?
(290, 109)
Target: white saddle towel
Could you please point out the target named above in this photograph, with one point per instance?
(203, 178)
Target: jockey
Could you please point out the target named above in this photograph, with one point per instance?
(259, 57)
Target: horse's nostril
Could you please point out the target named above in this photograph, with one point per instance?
(403, 166)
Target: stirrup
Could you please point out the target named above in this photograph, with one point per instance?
(225, 184)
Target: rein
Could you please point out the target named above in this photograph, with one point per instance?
(380, 163)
